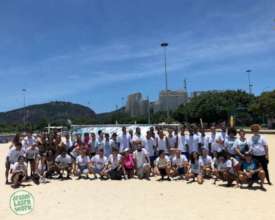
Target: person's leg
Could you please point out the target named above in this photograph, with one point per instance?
(261, 176)
(7, 165)
(146, 171)
(264, 163)
(200, 179)
(32, 163)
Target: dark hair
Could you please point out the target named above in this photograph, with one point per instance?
(192, 158)
(232, 131)
(161, 152)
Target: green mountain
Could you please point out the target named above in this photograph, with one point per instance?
(54, 112)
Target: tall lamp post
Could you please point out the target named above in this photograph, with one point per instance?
(164, 45)
(25, 112)
(250, 86)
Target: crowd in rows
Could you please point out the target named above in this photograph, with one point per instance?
(189, 154)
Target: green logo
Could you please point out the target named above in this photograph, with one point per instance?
(21, 202)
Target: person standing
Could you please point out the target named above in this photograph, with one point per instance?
(259, 149)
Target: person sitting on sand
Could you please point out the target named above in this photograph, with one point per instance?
(128, 164)
(206, 162)
(251, 171)
(100, 164)
(163, 165)
(142, 161)
(179, 164)
(64, 164)
(19, 172)
(195, 170)
(12, 157)
(115, 168)
(83, 164)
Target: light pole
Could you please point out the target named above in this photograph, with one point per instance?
(164, 45)
(250, 85)
(25, 113)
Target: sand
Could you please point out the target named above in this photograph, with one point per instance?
(135, 199)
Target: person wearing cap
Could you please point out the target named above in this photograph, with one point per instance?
(259, 149)
(99, 164)
(142, 161)
(251, 171)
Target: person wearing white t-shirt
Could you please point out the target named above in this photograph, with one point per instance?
(64, 164)
(137, 137)
(100, 164)
(215, 142)
(19, 172)
(259, 149)
(32, 156)
(162, 142)
(241, 146)
(192, 141)
(142, 161)
(195, 168)
(179, 164)
(28, 141)
(115, 170)
(83, 164)
(182, 142)
(172, 140)
(163, 166)
(207, 164)
(12, 157)
(124, 140)
(150, 147)
(229, 143)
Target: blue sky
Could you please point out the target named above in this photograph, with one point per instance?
(94, 52)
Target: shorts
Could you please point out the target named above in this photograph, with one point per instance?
(97, 170)
(30, 160)
(180, 171)
(83, 169)
(186, 154)
(162, 171)
(152, 160)
(7, 165)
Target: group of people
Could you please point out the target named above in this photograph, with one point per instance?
(168, 153)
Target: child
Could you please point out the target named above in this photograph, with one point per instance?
(206, 162)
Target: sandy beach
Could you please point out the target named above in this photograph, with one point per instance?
(135, 199)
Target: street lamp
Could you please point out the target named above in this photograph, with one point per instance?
(250, 85)
(164, 45)
(25, 112)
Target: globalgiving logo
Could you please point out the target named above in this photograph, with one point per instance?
(21, 202)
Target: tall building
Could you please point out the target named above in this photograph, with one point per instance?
(136, 105)
(170, 100)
